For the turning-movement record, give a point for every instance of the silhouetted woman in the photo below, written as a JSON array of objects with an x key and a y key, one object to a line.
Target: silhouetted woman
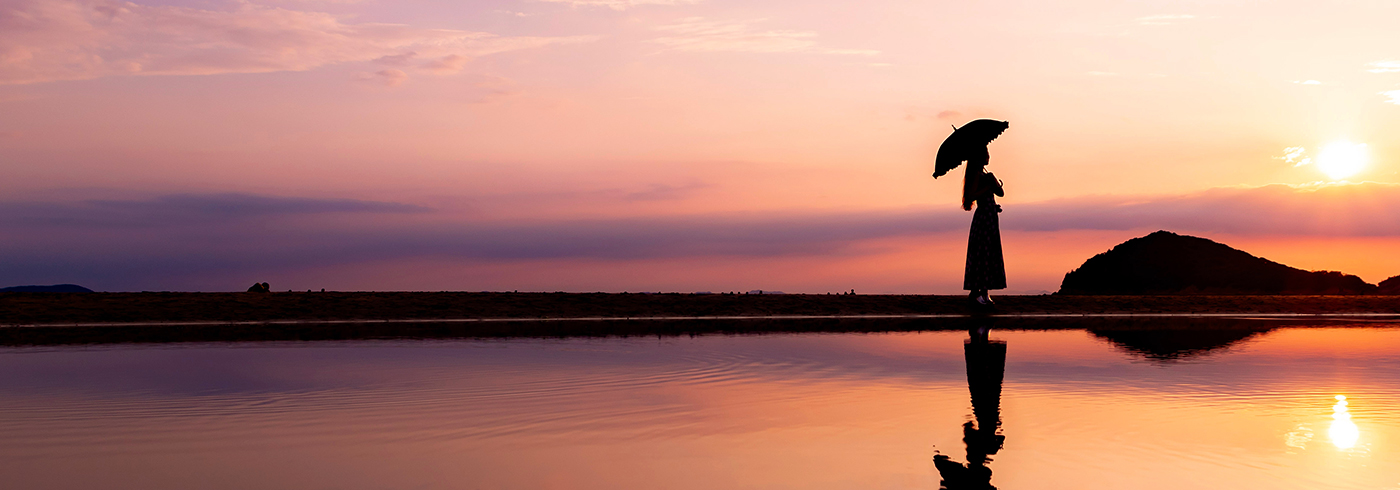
[{"x": 985, "y": 268}]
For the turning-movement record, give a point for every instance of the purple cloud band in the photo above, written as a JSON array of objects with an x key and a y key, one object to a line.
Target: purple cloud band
[{"x": 136, "y": 243}]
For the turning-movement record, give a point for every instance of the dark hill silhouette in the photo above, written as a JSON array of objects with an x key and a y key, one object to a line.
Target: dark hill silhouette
[
  {"x": 1168, "y": 263},
  {"x": 1390, "y": 286},
  {"x": 56, "y": 288}
]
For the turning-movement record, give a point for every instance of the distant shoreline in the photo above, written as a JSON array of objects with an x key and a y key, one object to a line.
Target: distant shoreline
[
  {"x": 269, "y": 310},
  {"x": 37, "y": 309},
  {"x": 55, "y": 319},
  {"x": 968, "y": 316}
]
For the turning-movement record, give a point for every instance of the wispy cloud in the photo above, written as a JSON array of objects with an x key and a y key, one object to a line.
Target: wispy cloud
[
  {"x": 1295, "y": 155},
  {"x": 620, "y": 4},
  {"x": 1384, "y": 66},
  {"x": 49, "y": 40},
  {"x": 1164, "y": 19},
  {"x": 666, "y": 192},
  {"x": 1114, "y": 74},
  {"x": 396, "y": 59},
  {"x": 1322, "y": 209},
  {"x": 700, "y": 34},
  {"x": 190, "y": 210},
  {"x": 1393, "y": 96},
  {"x": 451, "y": 63},
  {"x": 390, "y": 77},
  {"x": 1307, "y": 82}
]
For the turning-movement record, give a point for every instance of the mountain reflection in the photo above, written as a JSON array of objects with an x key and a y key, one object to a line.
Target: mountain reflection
[
  {"x": 1166, "y": 343},
  {"x": 986, "y": 364}
]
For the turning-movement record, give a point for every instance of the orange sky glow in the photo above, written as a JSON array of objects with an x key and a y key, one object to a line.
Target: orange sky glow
[{"x": 678, "y": 145}]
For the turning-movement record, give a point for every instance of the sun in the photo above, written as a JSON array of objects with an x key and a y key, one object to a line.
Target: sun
[{"x": 1342, "y": 159}]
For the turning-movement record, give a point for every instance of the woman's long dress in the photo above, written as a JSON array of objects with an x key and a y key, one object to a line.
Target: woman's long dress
[{"x": 985, "y": 268}]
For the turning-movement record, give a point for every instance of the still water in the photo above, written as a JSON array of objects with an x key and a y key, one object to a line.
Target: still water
[{"x": 1271, "y": 406}]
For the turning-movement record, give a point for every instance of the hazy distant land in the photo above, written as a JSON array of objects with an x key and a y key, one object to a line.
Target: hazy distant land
[
  {"x": 1159, "y": 275},
  {"x": 43, "y": 308}
]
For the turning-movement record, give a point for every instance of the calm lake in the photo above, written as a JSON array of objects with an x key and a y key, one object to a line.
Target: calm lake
[{"x": 1257, "y": 406}]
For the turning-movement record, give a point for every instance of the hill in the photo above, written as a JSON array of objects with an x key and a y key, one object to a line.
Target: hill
[
  {"x": 1168, "y": 263},
  {"x": 1390, "y": 286},
  {"x": 56, "y": 288}
]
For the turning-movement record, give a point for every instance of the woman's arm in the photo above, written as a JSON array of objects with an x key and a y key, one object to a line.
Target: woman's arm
[{"x": 993, "y": 184}]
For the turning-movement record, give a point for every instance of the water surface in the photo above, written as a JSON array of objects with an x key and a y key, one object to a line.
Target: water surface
[{"x": 1076, "y": 408}]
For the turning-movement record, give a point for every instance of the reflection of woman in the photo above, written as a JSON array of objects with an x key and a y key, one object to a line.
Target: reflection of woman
[
  {"x": 985, "y": 268},
  {"x": 986, "y": 363}
]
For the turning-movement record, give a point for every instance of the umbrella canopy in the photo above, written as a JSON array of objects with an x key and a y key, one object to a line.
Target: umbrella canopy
[{"x": 959, "y": 145}]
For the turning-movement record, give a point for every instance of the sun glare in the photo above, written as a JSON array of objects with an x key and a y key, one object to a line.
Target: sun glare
[
  {"x": 1343, "y": 431},
  {"x": 1342, "y": 159}
]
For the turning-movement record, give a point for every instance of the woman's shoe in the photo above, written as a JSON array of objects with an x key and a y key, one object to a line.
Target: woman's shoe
[{"x": 985, "y": 300}]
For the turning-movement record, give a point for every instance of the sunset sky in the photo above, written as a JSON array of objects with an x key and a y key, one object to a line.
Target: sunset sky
[{"x": 675, "y": 145}]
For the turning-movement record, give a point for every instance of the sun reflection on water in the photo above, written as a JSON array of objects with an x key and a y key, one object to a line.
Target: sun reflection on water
[{"x": 1343, "y": 431}]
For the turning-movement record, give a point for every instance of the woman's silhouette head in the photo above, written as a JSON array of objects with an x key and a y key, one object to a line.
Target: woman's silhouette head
[{"x": 976, "y": 163}]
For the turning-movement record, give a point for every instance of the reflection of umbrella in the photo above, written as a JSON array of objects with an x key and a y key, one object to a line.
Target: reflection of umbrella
[
  {"x": 986, "y": 365},
  {"x": 964, "y": 141}
]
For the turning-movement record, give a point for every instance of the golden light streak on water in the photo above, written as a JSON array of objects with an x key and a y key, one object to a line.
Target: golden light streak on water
[{"x": 1343, "y": 431}]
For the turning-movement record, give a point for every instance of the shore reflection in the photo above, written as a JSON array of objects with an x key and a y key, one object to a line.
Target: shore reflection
[
  {"x": 817, "y": 412},
  {"x": 1171, "y": 342},
  {"x": 986, "y": 366}
]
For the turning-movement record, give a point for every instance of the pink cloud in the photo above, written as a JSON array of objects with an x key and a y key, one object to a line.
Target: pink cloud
[
  {"x": 699, "y": 34},
  {"x": 620, "y": 4},
  {"x": 451, "y": 63},
  {"x": 396, "y": 59},
  {"x": 493, "y": 88},
  {"x": 49, "y": 40},
  {"x": 390, "y": 77}
]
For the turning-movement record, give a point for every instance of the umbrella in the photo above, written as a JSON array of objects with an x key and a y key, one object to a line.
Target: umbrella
[{"x": 964, "y": 141}]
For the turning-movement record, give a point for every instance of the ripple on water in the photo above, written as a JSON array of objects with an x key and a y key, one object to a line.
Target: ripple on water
[{"x": 1242, "y": 417}]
